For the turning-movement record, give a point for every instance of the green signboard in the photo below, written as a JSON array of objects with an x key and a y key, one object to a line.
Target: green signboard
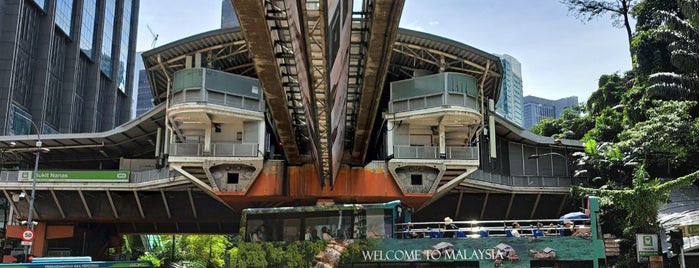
[
  {"x": 690, "y": 230},
  {"x": 75, "y": 176},
  {"x": 646, "y": 246}
]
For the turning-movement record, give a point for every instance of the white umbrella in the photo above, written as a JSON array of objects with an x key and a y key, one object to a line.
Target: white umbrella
[{"x": 504, "y": 247}]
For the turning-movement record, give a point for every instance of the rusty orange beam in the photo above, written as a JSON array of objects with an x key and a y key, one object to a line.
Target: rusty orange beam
[{"x": 300, "y": 185}]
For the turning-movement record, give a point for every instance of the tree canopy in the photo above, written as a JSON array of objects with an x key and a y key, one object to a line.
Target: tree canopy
[{"x": 644, "y": 136}]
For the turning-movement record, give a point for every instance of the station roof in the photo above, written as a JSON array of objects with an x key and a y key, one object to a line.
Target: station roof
[
  {"x": 225, "y": 49},
  {"x": 135, "y": 140}
]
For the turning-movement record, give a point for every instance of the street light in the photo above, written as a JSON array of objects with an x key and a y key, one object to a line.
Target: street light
[
  {"x": 545, "y": 154},
  {"x": 565, "y": 158},
  {"x": 30, "y": 223}
]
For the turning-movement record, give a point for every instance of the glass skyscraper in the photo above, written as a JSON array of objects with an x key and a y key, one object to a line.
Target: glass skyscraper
[
  {"x": 509, "y": 104},
  {"x": 536, "y": 108},
  {"x": 65, "y": 65},
  {"x": 228, "y": 17}
]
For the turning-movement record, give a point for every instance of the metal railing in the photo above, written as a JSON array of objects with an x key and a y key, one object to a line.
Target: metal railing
[
  {"x": 211, "y": 86},
  {"x": 217, "y": 149},
  {"x": 526, "y": 181},
  {"x": 454, "y": 89},
  {"x": 432, "y": 152}
]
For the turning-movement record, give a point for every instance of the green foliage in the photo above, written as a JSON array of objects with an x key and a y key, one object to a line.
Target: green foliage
[
  {"x": 683, "y": 44},
  {"x": 609, "y": 94},
  {"x": 667, "y": 140},
  {"x": 277, "y": 254},
  {"x": 607, "y": 126},
  {"x": 208, "y": 249},
  {"x": 606, "y": 164},
  {"x": 152, "y": 258},
  {"x": 641, "y": 202},
  {"x": 572, "y": 124}
]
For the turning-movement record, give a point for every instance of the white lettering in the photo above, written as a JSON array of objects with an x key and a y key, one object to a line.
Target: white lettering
[
  {"x": 391, "y": 255},
  {"x": 430, "y": 254},
  {"x": 366, "y": 255},
  {"x": 461, "y": 254}
]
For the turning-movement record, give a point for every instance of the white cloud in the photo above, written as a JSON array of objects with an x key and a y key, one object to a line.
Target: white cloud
[
  {"x": 433, "y": 23},
  {"x": 414, "y": 25}
]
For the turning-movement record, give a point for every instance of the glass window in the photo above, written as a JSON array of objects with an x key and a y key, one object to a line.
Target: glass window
[
  {"x": 88, "y": 28},
  {"x": 41, "y": 4},
  {"x": 20, "y": 123},
  {"x": 124, "y": 47},
  {"x": 107, "y": 38},
  {"x": 64, "y": 16}
]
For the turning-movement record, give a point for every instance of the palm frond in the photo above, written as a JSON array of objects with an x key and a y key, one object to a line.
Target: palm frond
[
  {"x": 685, "y": 60},
  {"x": 679, "y": 25},
  {"x": 690, "y": 9},
  {"x": 670, "y": 85}
]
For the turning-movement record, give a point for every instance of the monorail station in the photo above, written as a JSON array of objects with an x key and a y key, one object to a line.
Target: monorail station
[{"x": 320, "y": 104}]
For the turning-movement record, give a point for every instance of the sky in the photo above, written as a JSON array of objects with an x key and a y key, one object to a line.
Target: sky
[{"x": 561, "y": 56}]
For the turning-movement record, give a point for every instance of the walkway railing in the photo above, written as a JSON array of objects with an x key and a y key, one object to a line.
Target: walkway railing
[
  {"x": 526, "y": 181},
  {"x": 225, "y": 149},
  {"x": 496, "y": 228},
  {"x": 432, "y": 152}
]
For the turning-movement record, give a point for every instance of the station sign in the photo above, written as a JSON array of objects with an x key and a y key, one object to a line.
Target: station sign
[
  {"x": 690, "y": 230},
  {"x": 75, "y": 176},
  {"x": 646, "y": 246}
]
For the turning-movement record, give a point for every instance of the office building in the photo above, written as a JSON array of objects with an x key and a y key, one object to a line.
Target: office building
[
  {"x": 228, "y": 17},
  {"x": 143, "y": 97},
  {"x": 509, "y": 104},
  {"x": 536, "y": 108},
  {"x": 65, "y": 65}
]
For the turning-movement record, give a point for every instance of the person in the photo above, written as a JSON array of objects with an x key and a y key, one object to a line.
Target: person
[
  {"x": 374, "y": 231},
  {"x": 515, "y": 229},
  {"x": 259, "y": 235},
  {"x": 325, "y": 234},
  {"x": 314, "y": 234},
  {"x": 567, "y": 228},
  {"x": 308, "y": 236},
  {"x": 582, "y": 231},
  {"x": 449, "y": 227},
  {"x": 551, "y": 229}
]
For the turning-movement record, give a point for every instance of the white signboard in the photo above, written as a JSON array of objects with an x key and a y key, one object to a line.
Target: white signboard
[{"x": 646, "y": 246}]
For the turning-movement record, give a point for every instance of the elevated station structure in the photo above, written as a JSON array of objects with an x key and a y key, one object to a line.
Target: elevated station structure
[{"x": 307, "y": 102}]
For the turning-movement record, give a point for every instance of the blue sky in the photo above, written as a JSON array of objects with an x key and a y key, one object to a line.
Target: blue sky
[{"x": 561, "y": 56}]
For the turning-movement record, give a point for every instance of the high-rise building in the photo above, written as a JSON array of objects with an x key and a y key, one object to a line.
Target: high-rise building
[
  {"x": 509, "y": 104},
  {"x": 65, "y": 65},
  {"x": 143, "y": 97},
  {"x": 536, "y": 108},
  {"x": 228, "y": 17}
]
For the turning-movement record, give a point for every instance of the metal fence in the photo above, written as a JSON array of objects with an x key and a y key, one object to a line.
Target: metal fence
[
  {"x": 224, "y": 149},
  {"x": 432, "y": 152}
]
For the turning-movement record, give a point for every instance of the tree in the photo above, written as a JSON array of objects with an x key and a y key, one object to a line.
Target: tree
[
  {"x": 667, "y": 140},
  {"x": 683, "y": 38},
  {"x": 641, "y": 203},
  {"x": 651, "y": 54},
  {"x": 611, "y": 88},
  {"x": 619, "y": 10},
  {"x": 571, "y": 124},
  {"x": 203, "y": 250}
]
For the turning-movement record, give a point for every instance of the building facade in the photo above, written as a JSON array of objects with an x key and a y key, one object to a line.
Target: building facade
[
  {"x": 536, "y": 108},
  {"x": 65, "y": 65},
  {"x": 228, "y": 17},
  {"x": 143, "y": 97},
  {"x": 510, "y": 104}
]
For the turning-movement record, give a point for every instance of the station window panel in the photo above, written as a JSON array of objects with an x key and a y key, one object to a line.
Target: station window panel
[
  {"x": 416, "y": 179},
  {"x": 233, "y": 178},
  {"x": 64, "y": 16}
]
